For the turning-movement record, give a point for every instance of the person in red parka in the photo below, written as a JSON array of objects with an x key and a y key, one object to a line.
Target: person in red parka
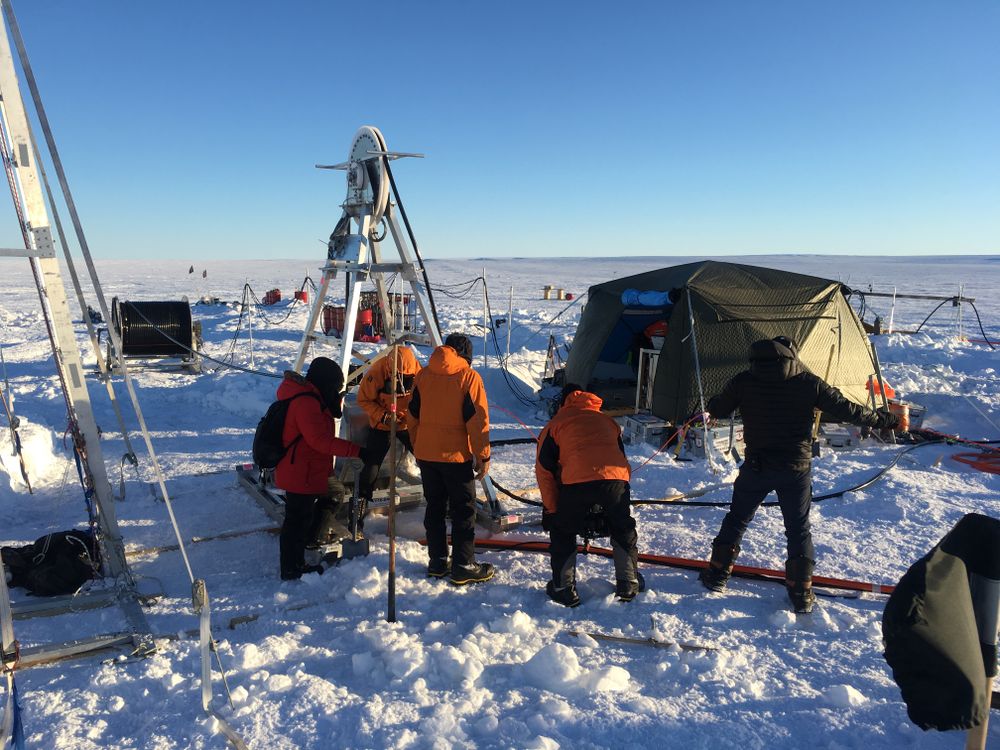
[{"x": 310, "y": 439}]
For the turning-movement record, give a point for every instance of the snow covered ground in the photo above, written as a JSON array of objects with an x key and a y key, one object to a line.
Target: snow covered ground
[{"x": 491, "y": 665}]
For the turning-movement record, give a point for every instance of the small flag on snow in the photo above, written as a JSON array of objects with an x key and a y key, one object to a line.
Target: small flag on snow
[
  {"x": 191, "y": 269},
  {"x": 204, "y": 274}
]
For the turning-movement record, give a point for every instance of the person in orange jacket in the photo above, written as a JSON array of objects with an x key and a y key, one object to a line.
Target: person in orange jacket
[
  {"x": 375, "y": 397},
  {"x": 309, "y": 434},
  {"x": 584, "y": 475},
  {"x": 449, "y": 426}
]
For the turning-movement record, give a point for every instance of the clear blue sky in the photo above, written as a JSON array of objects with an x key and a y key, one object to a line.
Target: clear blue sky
[{"x": 190, "y": 129}]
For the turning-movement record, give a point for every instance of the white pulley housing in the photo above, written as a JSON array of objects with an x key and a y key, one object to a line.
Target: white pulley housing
[{"x": 367, "y": 181}]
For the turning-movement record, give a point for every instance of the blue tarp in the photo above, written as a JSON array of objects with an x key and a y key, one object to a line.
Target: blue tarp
[{"x": 652, "y": 298}]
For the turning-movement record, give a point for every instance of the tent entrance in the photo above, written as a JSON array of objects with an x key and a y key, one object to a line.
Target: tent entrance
[{"x": 616, "y": 372}]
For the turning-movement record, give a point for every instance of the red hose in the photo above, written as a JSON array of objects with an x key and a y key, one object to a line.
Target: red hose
[{"x": 988, "y": 462}]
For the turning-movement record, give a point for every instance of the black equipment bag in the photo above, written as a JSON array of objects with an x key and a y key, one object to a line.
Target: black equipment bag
[
  {"x": 268, "y": 446},
  {"x": 940, "y": 625},
  {"x": 59, "y": 563}
]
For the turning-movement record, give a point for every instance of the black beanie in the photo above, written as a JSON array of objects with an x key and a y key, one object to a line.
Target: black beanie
[
  {"x": 328, "y": 378},
  {"x": 461, "y": 344}
]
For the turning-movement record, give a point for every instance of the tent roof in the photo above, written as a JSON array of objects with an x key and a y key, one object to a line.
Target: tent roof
[{"x": 711, "y": 274}]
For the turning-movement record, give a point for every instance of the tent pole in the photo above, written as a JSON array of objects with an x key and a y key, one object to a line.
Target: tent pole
[
  {"x": 486, "y": 320},
  {"x": 697, "y": 374}
]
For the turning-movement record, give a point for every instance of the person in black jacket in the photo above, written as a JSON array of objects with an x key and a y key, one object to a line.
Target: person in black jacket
[{"x": 776, "y": 398}]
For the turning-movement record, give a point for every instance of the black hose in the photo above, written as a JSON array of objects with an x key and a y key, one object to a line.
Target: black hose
[
  {"x": 981, "y": 330},
  {"x": 682, "y": 501},
  {"x": 939, "y": 306},
  {"x": 504, "y": 491}
]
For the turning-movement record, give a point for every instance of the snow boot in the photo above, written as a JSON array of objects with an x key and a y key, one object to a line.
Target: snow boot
[
  {"x": 439, "y": 567},
  {"x": 566, "y": 596},
  {"x": 720, "y": 566},
  {"x": 798, "y": 579},
  {"x": 294, "y": 575},
  {"x": 626, "y": 591},
  {"x": 474, "y": 573}
]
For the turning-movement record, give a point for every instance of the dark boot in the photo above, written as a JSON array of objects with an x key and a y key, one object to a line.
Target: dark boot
[
  {"x": 626, "y": 591},
  {"x": 439, "y": 567},
  {"x": 798, "y": 579},
  {"x": 566, "y": 596},
  {"x": 720, "y": 566},
  {"x": 474, "y": 573}
]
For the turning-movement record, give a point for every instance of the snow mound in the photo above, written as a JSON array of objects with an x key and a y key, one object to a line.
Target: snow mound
[
  {"x": 844, "y": 696},
  {"x": 557, "y": 669}
]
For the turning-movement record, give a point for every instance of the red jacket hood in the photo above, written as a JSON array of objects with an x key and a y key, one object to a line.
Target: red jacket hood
[
  {"x": 445, "y": 361},
  {"x": 294, "y": 384},
  {"x": 583, "y": 400}
]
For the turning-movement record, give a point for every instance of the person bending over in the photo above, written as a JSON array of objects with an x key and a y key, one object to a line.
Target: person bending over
[
  {"x": 375, "y": 397},
  {"x": 583, "y": 474}
]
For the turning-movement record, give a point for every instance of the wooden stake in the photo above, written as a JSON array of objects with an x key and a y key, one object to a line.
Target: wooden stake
[
  {"x": 390, "y": 615},
  {"x": 819, "y": 414},
  {"x": 975, "y": 738}
]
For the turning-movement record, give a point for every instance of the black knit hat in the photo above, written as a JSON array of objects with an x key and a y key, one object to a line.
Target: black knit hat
[
  {"x": 325, "y": 373},
  {"x": 328, "y": 378},
  {"x": 461, "y": 344}
]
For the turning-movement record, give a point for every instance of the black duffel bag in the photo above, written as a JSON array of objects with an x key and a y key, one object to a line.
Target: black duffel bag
[
  {"x": 58, "y": 563},
  {"x": 939, "y": 627}
]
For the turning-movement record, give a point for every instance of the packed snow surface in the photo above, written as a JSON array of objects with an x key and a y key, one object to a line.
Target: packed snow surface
[{"x": 314, "y": 664}]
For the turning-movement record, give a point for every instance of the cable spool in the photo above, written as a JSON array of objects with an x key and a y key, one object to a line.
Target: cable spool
[{"x": 145, "y": 326}]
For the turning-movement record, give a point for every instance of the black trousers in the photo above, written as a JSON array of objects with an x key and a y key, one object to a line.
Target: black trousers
[
  {"x": 450, "y": 490},
  {"x": 576, "y": 504},
  {"x": 308, "y": 518},
  {"x": 377, "y": 449},
  {"x": 794, "y": 490}
]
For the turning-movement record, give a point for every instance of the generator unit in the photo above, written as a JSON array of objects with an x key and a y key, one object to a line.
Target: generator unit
[
  {"x": 644, "y": 428},
  {"x": 725, "y": 440}
]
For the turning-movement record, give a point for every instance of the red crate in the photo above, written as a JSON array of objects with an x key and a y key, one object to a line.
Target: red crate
[{"x": 333, "y": 319}]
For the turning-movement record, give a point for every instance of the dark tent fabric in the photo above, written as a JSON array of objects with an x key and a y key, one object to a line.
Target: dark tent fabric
[{"x": 733, "y": 305}]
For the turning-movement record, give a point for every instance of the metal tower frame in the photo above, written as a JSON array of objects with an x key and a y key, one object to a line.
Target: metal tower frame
[
  {"x": 359, "y": 256},
  {"x": 39, "y": 248}
]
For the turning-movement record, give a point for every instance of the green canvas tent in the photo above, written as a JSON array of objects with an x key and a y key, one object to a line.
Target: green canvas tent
[{"x": 733, "y": 305}]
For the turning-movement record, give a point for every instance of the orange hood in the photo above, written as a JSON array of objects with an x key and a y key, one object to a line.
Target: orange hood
[
  {"x": 583, "y": 400},
  {"x": 445, "y": 361}
]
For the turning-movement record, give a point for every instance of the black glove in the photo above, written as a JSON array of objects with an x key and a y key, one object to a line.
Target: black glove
[{"x": 887, "y": 420}]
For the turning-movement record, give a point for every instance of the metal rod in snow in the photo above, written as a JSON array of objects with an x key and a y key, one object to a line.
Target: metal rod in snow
[
  {"x": 958, "y": 305},
  {"x": 697, "y": 374},
  {"x": 510, "y": 317},
  {"x": 249, "y": 304},
  {"x": 892, "y": 310},
  {"x": 390, "y": 613},
  {"x": 486, "y": 319}
]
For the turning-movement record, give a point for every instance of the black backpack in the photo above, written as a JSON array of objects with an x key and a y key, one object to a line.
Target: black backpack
[
  {"x": 268, "y": 447},
  {"x": 59, "y": 563}
]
